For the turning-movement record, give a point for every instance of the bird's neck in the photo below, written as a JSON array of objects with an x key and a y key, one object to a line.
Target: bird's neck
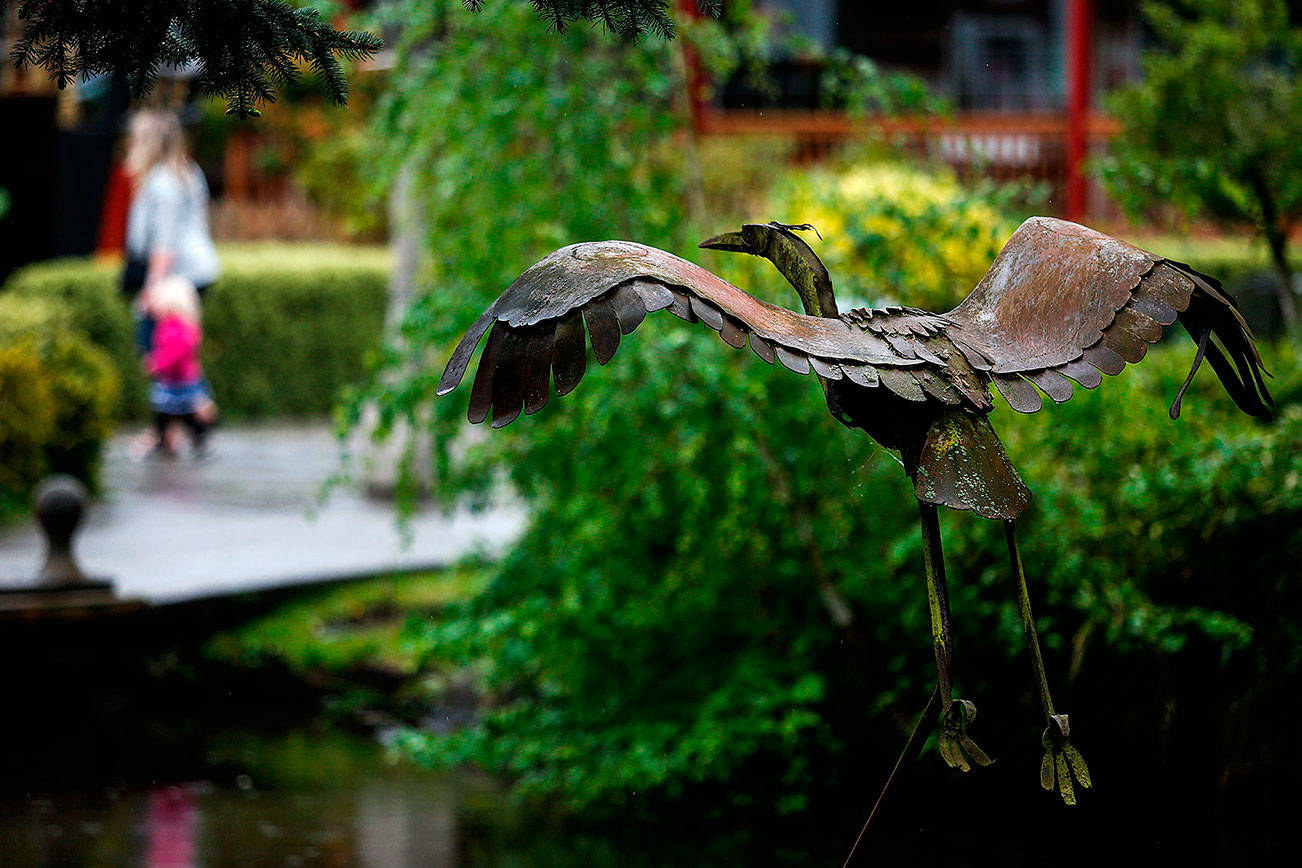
[{"x": 803, "y": 270}]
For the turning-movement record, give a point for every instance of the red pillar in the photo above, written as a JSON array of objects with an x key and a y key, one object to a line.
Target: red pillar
[
  {"x": 696, "y": 80},
  {"x": 113, "y": 212},
  {"x": 1080, "y": 45}
]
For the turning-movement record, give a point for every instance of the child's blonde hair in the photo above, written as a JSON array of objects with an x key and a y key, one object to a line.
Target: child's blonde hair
[{"x": 174, "y": 295}]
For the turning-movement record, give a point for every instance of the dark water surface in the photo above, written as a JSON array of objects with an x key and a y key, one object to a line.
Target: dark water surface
[
  {"x": 122, "y": 746},
  {"x": 306, "y": 799}
]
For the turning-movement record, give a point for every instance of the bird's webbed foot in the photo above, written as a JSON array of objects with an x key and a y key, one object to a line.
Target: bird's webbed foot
[
  {"x": 956, "y": 747},
  {"x": 1062, "y": 768}
]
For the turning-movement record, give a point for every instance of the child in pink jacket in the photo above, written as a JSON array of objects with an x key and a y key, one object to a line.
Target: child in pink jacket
[{"x": 178, "y": 389}]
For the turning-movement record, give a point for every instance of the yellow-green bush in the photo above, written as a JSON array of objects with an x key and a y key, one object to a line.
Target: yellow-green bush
[
  {"x": 26, "y": 422},
  {"x": 285, "y": 327},
  {"x": 897, "y": 233},
  {"x": 58, "y": 397}
]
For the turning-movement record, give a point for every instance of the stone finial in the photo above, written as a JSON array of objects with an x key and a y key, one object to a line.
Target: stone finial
[{"x": 60, "y": 502}]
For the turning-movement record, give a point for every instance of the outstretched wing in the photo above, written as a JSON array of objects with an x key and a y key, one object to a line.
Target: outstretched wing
[
  {"x": 537, "y": 326},
  {"x": 1062, "y": 302}
]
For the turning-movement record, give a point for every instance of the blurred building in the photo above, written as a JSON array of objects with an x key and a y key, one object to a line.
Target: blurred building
[
  {"x": 985, "y": 55},
  {"x": 1024, "y": 75}
]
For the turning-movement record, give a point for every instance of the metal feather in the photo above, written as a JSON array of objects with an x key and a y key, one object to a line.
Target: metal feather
[
  {"x": 629, "y": 308},
  {"x": 825, "y": 369},
  {"x": 1105, "y": 359},
  {"x": 508, "y": 379},
  {"x": 1052, "y": 383},
  {"x": 863, "y": 375},
  {"x": 762, "y": 348},
  {"x": 732, "y": 334},
  {"x": 902, "y": 383},
  {"x": 1082, "y": 372},
  {"x": 481, "y": 394},
  {"x": 603, "y": 329},
  {"x": 793, "y": 361},
  {"x": 707, "y": 313},
  {"x": 537, "y": 360},
  {"x": 1019, "y": 394},
  {"x": 569, "y": 353}
]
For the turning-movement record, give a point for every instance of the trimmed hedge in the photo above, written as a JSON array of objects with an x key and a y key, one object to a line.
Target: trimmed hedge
[{"x": 285, "y": 327}]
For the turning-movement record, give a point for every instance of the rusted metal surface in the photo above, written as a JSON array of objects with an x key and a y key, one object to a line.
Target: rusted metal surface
[
  {"x": 1061, "y": 299},
  {"x": 1061, "y": 306}
]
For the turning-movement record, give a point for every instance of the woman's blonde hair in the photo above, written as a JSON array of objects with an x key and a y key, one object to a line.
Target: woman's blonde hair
[
  {"x": 174, "y": 295},
  {"x": 155, "y": 137}
]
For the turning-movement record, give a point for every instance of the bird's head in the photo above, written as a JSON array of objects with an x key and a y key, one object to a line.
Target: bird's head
[{"x": 779, "y": 244}]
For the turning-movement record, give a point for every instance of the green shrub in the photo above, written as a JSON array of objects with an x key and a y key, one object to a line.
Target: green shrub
[
  {"x": 26, "y": 422},
  {"x": 58, "y": 398},
  {"x": 285, "y": 328},
  {"x": 85, "y": 388},
  {"x": 83, "y": 295}
]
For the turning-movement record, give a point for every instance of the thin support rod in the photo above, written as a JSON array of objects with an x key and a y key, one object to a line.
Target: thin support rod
[
  {"x": 1028, "y": 620},
  {"x": 918, "y": 738},
  {"x": 933, "y": 560}
]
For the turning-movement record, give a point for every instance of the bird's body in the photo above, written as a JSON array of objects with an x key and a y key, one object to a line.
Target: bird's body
[{"x": 1061, "y": 306}]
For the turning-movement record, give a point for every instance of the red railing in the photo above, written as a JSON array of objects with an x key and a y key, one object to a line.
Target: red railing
[{"x": 1001, "y": 146}]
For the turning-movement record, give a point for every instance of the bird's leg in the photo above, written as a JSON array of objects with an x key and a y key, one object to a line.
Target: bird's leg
[
  {"x": 1061, "y": 761},
  {"x": 956, "y": 747}
]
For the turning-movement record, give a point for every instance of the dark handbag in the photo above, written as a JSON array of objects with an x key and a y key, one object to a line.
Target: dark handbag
[{"x": 133, "y": 275}]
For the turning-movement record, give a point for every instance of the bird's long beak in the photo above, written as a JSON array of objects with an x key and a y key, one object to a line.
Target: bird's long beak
[{"x": 734, "y": 242}]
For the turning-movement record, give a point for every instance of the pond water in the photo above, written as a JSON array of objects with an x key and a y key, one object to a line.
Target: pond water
[
  {"x": 124, "y": 747},
  {"x": 128, "y": 749},
  {"x": 310, "y": 796},
  {"x": 307, "y": 798}
]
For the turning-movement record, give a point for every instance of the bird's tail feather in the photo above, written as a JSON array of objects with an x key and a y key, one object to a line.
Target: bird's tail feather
[
  {"x": 963, "y": 465},
  {"x": 1225, "y": 340}
]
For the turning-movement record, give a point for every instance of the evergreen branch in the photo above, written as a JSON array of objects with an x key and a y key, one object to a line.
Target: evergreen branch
[
  {"x": 242, "y": 49},
  {"x": 630, "y": 19}
]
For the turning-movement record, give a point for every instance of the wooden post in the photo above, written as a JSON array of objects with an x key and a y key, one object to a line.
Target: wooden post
[{"x": 1079, "y": 40}]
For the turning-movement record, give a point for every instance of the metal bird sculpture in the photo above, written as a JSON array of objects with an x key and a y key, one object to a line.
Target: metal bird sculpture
[{"x": 1061, "y": 304}]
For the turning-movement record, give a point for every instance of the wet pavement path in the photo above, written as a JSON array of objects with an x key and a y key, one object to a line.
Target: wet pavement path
[{"x": 249, "y": 518}]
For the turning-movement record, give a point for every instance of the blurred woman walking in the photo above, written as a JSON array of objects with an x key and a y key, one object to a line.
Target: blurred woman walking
[
  {"x": 167, "y": 225},
  {"x": 167, "y": 236}
]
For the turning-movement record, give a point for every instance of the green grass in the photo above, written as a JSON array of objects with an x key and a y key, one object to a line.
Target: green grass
[{"x": 349, "y": 629}]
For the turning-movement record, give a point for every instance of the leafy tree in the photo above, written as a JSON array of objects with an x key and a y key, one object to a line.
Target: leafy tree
[{"x": 1213, "y": 127}]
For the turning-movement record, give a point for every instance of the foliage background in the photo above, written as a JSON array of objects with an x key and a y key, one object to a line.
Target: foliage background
[{"x": 665, "y": 627}]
